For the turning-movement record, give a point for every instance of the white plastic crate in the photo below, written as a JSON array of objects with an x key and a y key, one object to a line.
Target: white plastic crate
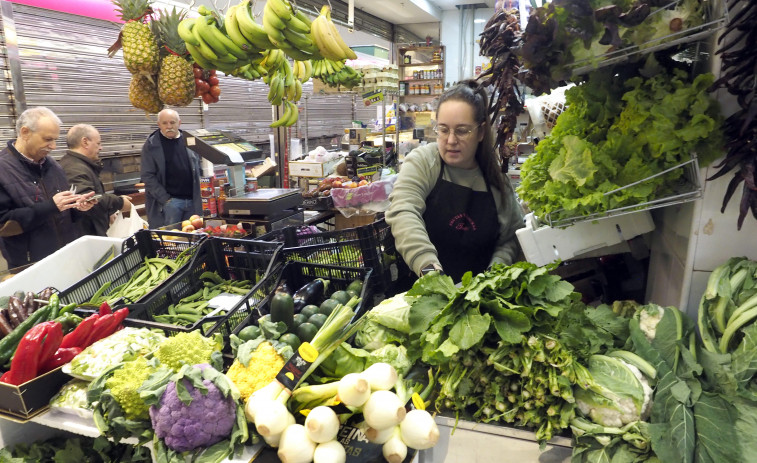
[
  {"x": 542, "y": 245},
  {"x": 64, "y": 267}
]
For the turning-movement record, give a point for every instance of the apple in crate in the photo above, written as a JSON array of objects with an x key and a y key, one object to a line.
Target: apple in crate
[
  {"x": 196, "y": 221},
  {"x": 189, "y": 228}
]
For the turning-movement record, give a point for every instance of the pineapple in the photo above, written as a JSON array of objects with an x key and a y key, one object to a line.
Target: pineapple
[
  {"x": 143, "y": 94},
  {"x": 176, "y": 81},
  {"x": 140, "y": 47}
]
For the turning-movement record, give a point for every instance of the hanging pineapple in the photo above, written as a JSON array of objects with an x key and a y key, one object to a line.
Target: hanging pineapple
[
  {"x": 176, "y": 82},
  {"x": 137, "y": 40},
  {"x": 143, "y": 94}
]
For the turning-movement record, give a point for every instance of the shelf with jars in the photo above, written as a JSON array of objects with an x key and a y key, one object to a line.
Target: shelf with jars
[{"x": 421, "y": 72}]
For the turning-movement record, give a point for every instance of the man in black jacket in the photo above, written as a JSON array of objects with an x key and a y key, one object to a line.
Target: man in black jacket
[
  {"x": 171, "y": 174},
  {"x": 82, "y": 166},
  {"x": 35, "y": 198}
]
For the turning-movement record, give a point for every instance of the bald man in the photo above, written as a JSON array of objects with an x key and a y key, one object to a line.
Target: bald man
[
  {"x": 171, "y": 174},
  {"x": 83, "y": 166},
  {"x": 35, "y": 196}
]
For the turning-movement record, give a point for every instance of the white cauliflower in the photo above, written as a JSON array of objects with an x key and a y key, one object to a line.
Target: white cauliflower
[{"x": 649, "y": 317}]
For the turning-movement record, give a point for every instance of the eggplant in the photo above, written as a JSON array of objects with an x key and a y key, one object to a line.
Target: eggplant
[
  {"x": 16, "y": 311},
  {"x": 30, "y": 305},
  {"x": 311, "y": 293},
  {"x": 5, "y": 325}
]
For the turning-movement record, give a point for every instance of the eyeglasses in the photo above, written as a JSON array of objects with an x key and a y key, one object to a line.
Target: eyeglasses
[{"x": 461, "y": 133}]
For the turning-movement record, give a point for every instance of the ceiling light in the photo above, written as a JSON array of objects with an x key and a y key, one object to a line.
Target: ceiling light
[{"x": 479, "y": 21}]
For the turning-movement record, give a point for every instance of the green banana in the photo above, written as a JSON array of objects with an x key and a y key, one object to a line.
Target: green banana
[
  {"x": 185, "y": 31},
  {"x": 275, "y": 35},
  {"x": 282, "y": 8},
  {"x": 288, "y": 75},
  {"x": 251, "y": 30},
  {"x": 203, "y": 33},
  {"x": 198, "y": 56},
  {"x": 291, "y": 90},
  {"x": 203, "y": 48},
  {"x": 298, "y": 26},
  {"x": 232, "y": 30},
  {"x": 298, "y": 90},
  {"x": 300, "y": 41},
  {"x": 303, "y": 17},
  {"x": 227, "y": 42},
  {"x": 272, "y": 17},
  {"x": 296, "y": 54},
  {"x": 294, "y": 114}
]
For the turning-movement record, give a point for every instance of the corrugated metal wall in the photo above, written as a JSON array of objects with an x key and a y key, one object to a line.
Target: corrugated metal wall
[{"x": 64, "y": 66}]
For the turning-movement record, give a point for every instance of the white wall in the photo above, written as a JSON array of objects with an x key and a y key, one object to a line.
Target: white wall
[{"x": 460, "y": 34}]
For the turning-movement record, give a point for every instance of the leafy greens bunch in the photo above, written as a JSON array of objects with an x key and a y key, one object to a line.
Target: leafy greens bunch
[
  {"x": 618, "y": 131},
  {"x": 497, "y": 347}
]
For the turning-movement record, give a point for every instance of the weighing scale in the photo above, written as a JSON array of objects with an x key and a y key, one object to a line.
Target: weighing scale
[
  {"x": 272, "y": 208},
  {"x": 224, "y": 147}
]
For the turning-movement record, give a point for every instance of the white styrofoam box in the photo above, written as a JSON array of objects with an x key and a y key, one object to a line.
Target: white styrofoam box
[
  {"x": 542, "y": 245},
  {"x": 312, "y": 169},
  {"x": 63, "y": 268}
]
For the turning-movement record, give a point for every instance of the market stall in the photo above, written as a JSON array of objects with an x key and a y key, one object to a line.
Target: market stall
[{"x": 296, "y": 344}]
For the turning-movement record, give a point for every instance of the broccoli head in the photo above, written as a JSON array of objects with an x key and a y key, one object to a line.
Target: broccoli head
[
  {"x": 205, "y": 417},
  {"x": 186, "y": 349}
]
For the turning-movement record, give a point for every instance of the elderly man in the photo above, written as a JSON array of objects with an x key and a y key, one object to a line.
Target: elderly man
[
  {"x": 82, "y": 166},
  {"x": 35, "y": 198},
  {"x": 171, "y": 174}
]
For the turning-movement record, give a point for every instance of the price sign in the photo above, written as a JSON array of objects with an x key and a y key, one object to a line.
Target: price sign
[{"x": 372, "y": 97}]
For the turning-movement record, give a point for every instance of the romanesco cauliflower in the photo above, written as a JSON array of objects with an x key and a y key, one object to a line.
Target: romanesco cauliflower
[
  {"x": 186, "y": 349},
  {"x": 123, "y": 385}
]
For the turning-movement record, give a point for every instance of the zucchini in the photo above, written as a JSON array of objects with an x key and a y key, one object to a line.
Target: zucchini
[{"x": 282, "y": 309}]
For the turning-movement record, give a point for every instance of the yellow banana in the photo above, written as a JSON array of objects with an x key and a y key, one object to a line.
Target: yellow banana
[
  {"x": 308, "y": 71},
  {"x": 284, "y": 117},
  {"x": 251, "y": 30},
  {"x": 232, "y": 30},
  {"x": 347, "y": 52},
  {"x": 318, "y": 37},
  {"x": 185, "y": 31},
  {"x": 294, "y": 114},
  {"x": 329, "y": 47},
  {"x": 291, "y": 90},
  {"x": 227, "y": 42},
  {"x": 298, "y": 90},
  {"x": 296, "y": 69},
  {"x": 282, "y": 8},
  {"x": 337, "y": 65}
]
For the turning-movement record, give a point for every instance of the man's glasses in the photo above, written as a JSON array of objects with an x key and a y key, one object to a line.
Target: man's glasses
[{"x": 461, "y": 133}]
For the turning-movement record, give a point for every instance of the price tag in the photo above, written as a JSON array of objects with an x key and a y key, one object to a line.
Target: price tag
[
  {"x": 223, "y": 302},
  {"x": 373, "y": 97}
]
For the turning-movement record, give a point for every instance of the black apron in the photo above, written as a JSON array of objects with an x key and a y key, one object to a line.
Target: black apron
[{"x": 462, "y": 225}]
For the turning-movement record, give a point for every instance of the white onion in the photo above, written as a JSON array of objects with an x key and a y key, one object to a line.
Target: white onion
[
  {"x": 383, "y": 409},
  {"x": 419, "y": 430},
  {"x": 322, "y": 424},
  {"x": 381, "y": 376}
]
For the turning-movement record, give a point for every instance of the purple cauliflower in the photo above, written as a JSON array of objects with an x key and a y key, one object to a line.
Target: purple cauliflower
[{"x": 206, "y": 420}]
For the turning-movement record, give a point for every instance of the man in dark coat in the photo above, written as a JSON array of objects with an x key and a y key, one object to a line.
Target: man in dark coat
[
  {"x": 35, "y": 198},
  {"x": 171, "y": 174},
  {"x": 82, "y": 166}
]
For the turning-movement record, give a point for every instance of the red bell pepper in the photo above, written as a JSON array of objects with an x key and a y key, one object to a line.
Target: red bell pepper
[
  {"x": 52, "y": 342},
  {"x": 120, "y": 315},
  {"x": 105, "y": 309},
  {"x": 61, "y": 357},
  {"x": 26, "y": 360},
  {"x": 78, "y": 337},
  {"x": 103, "y": 327}
]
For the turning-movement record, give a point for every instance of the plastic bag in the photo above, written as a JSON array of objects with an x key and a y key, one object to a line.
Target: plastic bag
[
  {"x": 124, "y": 227},
  {"x": 364, "y": 200}
]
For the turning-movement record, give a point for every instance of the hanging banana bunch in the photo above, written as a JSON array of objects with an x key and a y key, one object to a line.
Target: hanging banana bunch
[
  {"x": 326, "y": 37},
  {"x": 335, "y": 73},
  {"x": 207, "y": 41},
  {"x": 284, "y": 88},
  {"x": 289, "y": 30}
]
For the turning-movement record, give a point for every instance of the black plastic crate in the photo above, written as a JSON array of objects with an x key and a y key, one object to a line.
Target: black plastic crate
[
  {"x": 142, "y": 244},
  {"x": 298, "y": 274},
  {"x": 370, "y": 246},
  {"x": 232, "y": 259}
]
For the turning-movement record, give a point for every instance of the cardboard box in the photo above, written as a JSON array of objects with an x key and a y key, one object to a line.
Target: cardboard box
[
  {"x": 356, "y": 136},
  {"x": 312, "y": 169},
  {"x": 341, "y": 222},
  {"x": 33, "y": 397}
]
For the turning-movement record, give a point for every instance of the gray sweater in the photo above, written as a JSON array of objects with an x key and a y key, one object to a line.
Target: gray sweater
[{"x": 417, "y": 177}]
